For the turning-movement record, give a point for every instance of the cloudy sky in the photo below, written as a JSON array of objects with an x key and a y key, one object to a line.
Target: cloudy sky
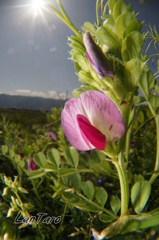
[{"x": 33, "y": 47}]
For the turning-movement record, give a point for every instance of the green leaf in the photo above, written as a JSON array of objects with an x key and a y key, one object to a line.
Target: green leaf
[
  {"x": 144, "y": 82},
  {"x": 69, "y": 196},
  {"x": 78, "y": 47},
  {"x": 87, "y": 78},
  {"x": 132, "y": 73},
  {"x": 101, "y": 195},
  {"x": 140, "y": 194},
  {"x": 81, "y": 60},
  {"x": 132, "y": 226},
  {"x": 106, "y": 166},
  {"x": 82, "y": 205},
  {"x": 40, "y": 159},
  {"x": 36, "y": 173},
  {"x": 85, "y": 159},
  {"x": 54, "y": 157},
  {"x": 12, "y": 153},
  {"x": 151, "y": 80},
  {"x": 76, "y": 181},
  {"x": 120, "y": 8},
  {"x": 111, "y": 4},
  {"x": 140, "y": 117},
  {"x": 109, "y": 24},
  {"x": 139, "y": 99},
  {"x": 106, "y": 36},
  {"x": 4, "y": 149},
  {"x": 97, "y": 168},
  {"x": 122, "y": 22},
  {"x": 132, "y": 46},
  {"x": 88, "y": 189},
  {"x": 77, "y": 66},
  {"x": 23, "y": 190},
  {"x": 150, "y": 222},
  {"x": 72, "y": 156},
  {"x": 97, "y": 155},
  {"x": 106, "y": 218},
  {"x": 88, "y": 26},
  {"x": 154, "y": 100},
  {"x": 77, "y": 92},
  {"x": 77, "y": 44},
  {"x": 115, "y": 204},
  {"x": 50, "y": 168},
  {"x": 66, "y": 171},
  {"x": 131, "y": 116},
  {"x": 134, "y": 25}
]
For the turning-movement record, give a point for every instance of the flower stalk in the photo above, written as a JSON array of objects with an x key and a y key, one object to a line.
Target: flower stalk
[
  {"x": 123, "y": 184},
  {"x": 155, "y": 175},
  {"x": 64, "y": 17}
]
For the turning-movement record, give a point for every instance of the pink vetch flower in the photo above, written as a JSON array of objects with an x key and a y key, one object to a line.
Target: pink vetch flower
[
  {"x": 132, "y": 142},
  {"x": 52, "y": 135},
  {"x": 91, "y": 121},
  {"x": 97, "y": 57},
  {"x": 31, "y": 164},
  {"x": 21, "y": 155}
]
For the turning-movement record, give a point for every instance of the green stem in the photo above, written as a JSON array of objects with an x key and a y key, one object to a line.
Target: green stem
[
  {"x": 95, "y": 204},
  {"x": 146, "y": 97},
  {"x": 65, "y": 19},
  {"x": 154, "y": 176},
  {"x": 149, "y": 119},
  {"x": 97, "y": 12},
  {"x": 123, "y": 184},
  {"x": 63, "y": 216},
  {"x": 128, "y": 137}
]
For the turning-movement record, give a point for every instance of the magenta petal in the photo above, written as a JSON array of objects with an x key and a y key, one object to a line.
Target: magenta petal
[
  {"x": 103, "y": 114},
  {"x": 72, "y": 108},
  {"x": 90, "y": 133},
  {"x": 31, "y": 164}
]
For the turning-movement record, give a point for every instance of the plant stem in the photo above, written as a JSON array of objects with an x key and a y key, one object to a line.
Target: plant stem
[
  {"x": 63, "y": 216},
  {"x": 123, "y": 184},
  {"x": 97, "y": 12},
  {"x": 154, "y": 176},
  {"x": 65, "y": 19},
  {"x": 149, "y": 119},
  {"x": 128, "y": 137},
  {"x": 95, "y": 204}
]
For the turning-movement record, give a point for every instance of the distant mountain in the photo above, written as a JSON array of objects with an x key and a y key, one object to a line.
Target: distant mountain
[{"x": 30, "y": 103}]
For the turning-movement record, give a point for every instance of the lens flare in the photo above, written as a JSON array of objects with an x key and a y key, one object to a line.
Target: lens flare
[{"x": 37, "y": 4}]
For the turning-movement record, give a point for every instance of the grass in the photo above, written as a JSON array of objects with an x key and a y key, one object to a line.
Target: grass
[{"x": 24, "y": 117}]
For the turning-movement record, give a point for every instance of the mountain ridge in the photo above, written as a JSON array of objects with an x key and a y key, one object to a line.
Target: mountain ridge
[{"x": 28, "y": 102}]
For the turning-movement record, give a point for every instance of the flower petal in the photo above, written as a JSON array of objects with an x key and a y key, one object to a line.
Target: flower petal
[
  {"x": 97, "y": 57},
  {"x": 91, "y": 134},
  {"x": 103, "y": 114},
  {"x": 72, "y": 108},
  {"x": 52, "y": 135}
]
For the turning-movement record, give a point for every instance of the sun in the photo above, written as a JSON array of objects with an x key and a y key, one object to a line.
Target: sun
[{"x": 37, "y": 6}]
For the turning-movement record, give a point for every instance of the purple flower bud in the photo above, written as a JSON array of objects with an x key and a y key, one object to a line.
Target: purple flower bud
[
  {"x": 97, "y": 57},
  {"x": 31, "y": 164},
  {"x": 52, "y": 135}
]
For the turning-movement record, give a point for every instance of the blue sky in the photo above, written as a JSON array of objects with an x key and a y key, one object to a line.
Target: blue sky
[{"x": 34, "y": 51}]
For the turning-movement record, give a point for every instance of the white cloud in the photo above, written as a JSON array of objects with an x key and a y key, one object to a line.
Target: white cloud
[
  {"x": 56, "y": 95},
  {"x": 53, "y": 94},
  {"x": 23, "y": 91},
  {"x": 38, "y": 94}
]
